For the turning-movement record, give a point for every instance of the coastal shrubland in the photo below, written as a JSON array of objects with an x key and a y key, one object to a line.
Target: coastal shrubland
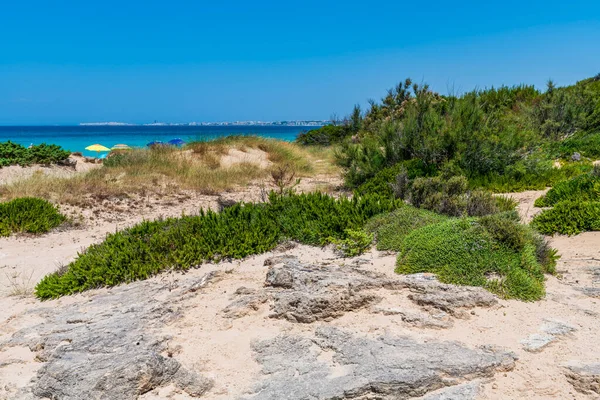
[
  {"x": 28, "y": 215},
  {"x": 238, "y": 231},
  {"x": 204, "y": 167},
  {"x": 502, "y": 139},
  {"x": 582, "y": 188},
  {"x": 495, "y": 252},
  {"x": 16, "y": 154}
]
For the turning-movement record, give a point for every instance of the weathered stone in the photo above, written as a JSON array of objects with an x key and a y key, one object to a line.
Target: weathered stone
[
  {"x": 419, "y": 320},
  {"x": 336, "y": 364},
  {"x": 429, "y": 292},
  {"x": 576, "y": 157},
  {"x": 537, "y": 341},
  {"x": 590, "y": 291},
  {"x": 585, "y": 378},
  {"x": 249, "y": 301},
  {"x": 556, "y": 327},
  {"x": 105, "y": 348},
  {"x": 465, "y": 391}
]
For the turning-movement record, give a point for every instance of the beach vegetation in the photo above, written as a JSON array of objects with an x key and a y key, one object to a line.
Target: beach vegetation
[
  {"x": 16, "y": 154},
  {"x": 28, "y": 215},
  {"x": 236, "y": 232}
]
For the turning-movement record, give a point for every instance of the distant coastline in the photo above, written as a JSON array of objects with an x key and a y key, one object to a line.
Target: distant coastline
[{"x": 225, "y": 123}]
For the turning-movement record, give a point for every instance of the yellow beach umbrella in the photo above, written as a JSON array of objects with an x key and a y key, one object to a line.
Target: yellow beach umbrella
[
  {"x": 120, "y": 147},
  {"x": 97, "y": 148}
]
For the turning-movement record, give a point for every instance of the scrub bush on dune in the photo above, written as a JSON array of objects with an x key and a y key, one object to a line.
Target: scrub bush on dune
[
  {"x": 28, "y": 215},
  {"x": 495, "y": 252},
  {"x": 238, "y": 231}
]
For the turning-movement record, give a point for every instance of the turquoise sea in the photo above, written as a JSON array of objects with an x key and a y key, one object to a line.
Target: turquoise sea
[{"x": 77, "y": 138}]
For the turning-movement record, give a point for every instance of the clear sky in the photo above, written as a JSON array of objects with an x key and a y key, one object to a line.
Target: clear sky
[{"x": 65, "y": 62}]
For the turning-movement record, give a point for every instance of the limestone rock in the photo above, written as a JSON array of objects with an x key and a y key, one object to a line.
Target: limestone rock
[
  {"x": 104, "y": 348},
  {"x": 585, "y": 378},
  {"x": 335, "y": 364}
]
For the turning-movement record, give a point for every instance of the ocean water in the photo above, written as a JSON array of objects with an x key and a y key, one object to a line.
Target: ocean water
[{"x": 77, "y": 138}]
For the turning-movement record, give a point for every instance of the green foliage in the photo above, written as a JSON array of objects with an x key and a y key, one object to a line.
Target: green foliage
[
  {"x": 468, "y": 251},
  {"x": 533, "y": 175},
  {"x": 450, "y": 196},
  {"x": 16, "y": 154},
  {"x": 325, "y": 135},
  {"x": 382, "y": 182},
  {"x": 390, "y": 229},
  {"x": 356, "y": 242},
  {"x": 30, "y": 215},
  {"x": 236, "y": 232},
  {"x": 502, "y": 139},
  {"x": 582, "y": 188},
  {"x": 569, "y": 217}
]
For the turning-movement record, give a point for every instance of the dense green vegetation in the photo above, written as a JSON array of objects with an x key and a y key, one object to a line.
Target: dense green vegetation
[
  {"x": 582, "y": 188},
  {"x": 182, "y": 243},
  {"x": 569, "y": 217},
  {"x": 502, "y": 139},
  {"x": 28, "y": 215},
  {"x": 390, "y": 229},
  {"x": 16, "y": 154},
  {"x": 495, "y": 252},
  {"x": 324, "y": 136}
]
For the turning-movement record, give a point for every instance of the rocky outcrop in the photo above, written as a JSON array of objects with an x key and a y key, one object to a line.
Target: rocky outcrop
[
  {"x": 105, "y": 348},
  {"x": 550, "y": 332},
  {"x": 307, "y": 293},
  {"x": 336, "y": 364},
  {"x": 585, "y": 378}
]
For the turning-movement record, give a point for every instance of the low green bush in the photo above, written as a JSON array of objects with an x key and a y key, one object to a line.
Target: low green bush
[
  {"x": 236, "y": 232},
  {"x": 16, "y": 154},
  {"x": 356, "y": 243},
  {"x": 450, "y": 196},
  {"x": 569, "y": 217},
  {"x": 390, "y": 229},
  {"x": 382, "y": 183},
  {"x": 582, "y": 188},
  {"x": 324, "y": 136},
  {"x": 519, "y": 178},
  {"x": 494, "y": 252},
  {"x": 28, "y": 215}
]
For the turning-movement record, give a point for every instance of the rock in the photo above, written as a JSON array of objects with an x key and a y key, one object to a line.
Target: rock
[
  {"x": 307, "y": 293},
  {"x": 590, "y": 291},
  {"x": 585, "y": 378},
  {"x": 335, "y": 364},
  {"x": 537, "y": 341},
  {"x": 210, "y": 277},
  {"x": 419, "y": 320},
  {"x": 429, "y": 292},
  {"x": 105, "y": 348},
  {"x": 465, "y": 391},
  {"x": 249, "y": 302},
  {"x": 556, "y": 327},
  {"x": 576, "y": 157}
]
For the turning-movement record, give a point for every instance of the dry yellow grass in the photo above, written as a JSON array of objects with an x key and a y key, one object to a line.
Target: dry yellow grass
[{"x": 167, "y": 170}]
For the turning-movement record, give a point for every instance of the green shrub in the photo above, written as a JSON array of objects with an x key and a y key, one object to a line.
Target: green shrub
[
  {"x": 28, "y": 215},
  {"x": 324, "y": 136},
  {"x": 383, "y": 182},
  {"x": 391, "y": 228},
  {"x": 356, "y": 243},
  {"x": 236, "y": 232},
  {"x": 582, "y": 188},
  {"x": 465, "y": 251},
  {"x": 16, "y": 154},
  {"x": 569, "y": 218},
  {"x": 450, "y": 196}
]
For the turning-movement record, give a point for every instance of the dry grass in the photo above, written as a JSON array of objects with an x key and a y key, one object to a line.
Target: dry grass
[
  {"x": 19, "y": 284},
  {"x": 165, "y": 171}
]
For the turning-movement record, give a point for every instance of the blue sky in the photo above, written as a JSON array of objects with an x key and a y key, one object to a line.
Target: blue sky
[{"x": 65, "y": 62}]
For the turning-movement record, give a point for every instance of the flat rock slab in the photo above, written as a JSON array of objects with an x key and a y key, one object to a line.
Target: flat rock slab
[
  {"x": 585, "y": 378},
  {"x": 551, "y": 330},
  {"x": 104, "y": 348},
  {"x": 336, "y": 364},
  {"x": 307, "y": 293}
]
